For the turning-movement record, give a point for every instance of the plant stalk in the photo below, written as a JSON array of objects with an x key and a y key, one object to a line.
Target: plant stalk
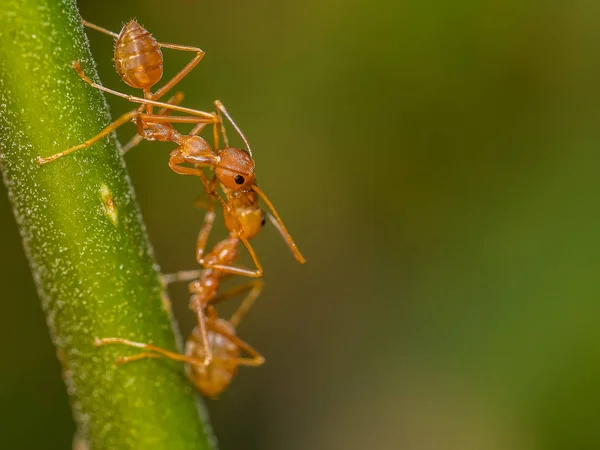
[{"x": 84, "y": 238}]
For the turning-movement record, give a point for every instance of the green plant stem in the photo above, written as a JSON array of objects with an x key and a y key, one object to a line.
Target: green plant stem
[{"x": 86, "y": 244}]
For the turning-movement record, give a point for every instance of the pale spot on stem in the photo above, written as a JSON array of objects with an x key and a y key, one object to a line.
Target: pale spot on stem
[{"x": 109, "y": 205}]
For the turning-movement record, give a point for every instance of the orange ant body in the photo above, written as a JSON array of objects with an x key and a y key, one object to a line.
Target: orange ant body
[
  {"x": 234, "y": 171},
  {"x": 139, "y": 63},
  {"x": 213, "y": 350},
  {"x": 214, "y": 376},
  {"x": 244, "y": 218}
]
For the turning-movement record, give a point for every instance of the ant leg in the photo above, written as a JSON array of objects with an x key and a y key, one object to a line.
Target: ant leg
[
  {"x": 256, "y": 273},
  {"x": 133, "y": 142},
  {"x": 176, "y": 158},
  {"x": 128, "y": 359},
  {"x": 144, "y": 101},
  {"x": 209, "y": 187},
  {"x": 205, "y": 203},
  {"x": 175, "y": 167},
  {"x": 100, "y": 29},
  {"x": 209, "y": 219},
  {"x": 183, "y": 72},
  {"x": 202, "y": 203},
  {"x": 278, "y": 223},
  {"x": 156, "y": 118},
  {"x": 197, "y": 129},
  {"x": 202, "y": 240},
  {"x": 185, "y": 275},
  {"x": 175, "y": 100},
  {"x": 182, "y": 275},
  {"x": 151, "y": 348},
  {"x": 255, "y": 360},
  {"x": 113, "y": 126},
  {"x": 255, "y": 287},
  {"x": 199, "y": 310},
  {"x": 234, "y": 270}
]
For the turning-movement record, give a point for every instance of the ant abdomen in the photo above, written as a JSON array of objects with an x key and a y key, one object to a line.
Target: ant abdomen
[
  {"x": 215, "y": 377},
  {"x": 138, "y": 59}
]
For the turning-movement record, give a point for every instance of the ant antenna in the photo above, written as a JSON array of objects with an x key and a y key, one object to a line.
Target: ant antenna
[
  {"x": 222, "y": 109},
  {"x": 278, "y": 223}
]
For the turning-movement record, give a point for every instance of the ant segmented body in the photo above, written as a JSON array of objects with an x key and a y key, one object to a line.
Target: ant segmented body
[
  {"x": 211, "y": 377},
  {"x": 139, "y": 63},
  {"x": 213, "y": 350},
  {"x": 234, "y": 171},
  {"x": 244, "y": 218}
]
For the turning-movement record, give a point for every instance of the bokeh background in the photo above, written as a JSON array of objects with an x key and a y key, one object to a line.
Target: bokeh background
[{"x": 437, "y": 163}]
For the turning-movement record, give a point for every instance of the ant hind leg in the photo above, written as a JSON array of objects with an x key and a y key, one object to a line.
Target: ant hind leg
[{"x": 128, "y": 116}]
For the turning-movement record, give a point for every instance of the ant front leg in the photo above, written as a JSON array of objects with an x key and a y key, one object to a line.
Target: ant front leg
[{"x": 176, "y": 160}]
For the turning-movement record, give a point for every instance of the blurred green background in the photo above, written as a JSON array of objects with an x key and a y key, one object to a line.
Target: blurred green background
[{"x": 437, "y": 164}]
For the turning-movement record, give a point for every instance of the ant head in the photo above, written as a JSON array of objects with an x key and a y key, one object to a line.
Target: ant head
[{"x": 235, "y": 169}]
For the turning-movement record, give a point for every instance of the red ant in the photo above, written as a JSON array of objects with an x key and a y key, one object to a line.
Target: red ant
[
  {"x": 234, "y": 171},
  {"x": 214, "y": 376},
  {"x": 139, "y": 63},
  {"x": 244, "y": 219}
]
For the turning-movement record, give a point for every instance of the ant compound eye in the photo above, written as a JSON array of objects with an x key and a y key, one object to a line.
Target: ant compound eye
[{"x": 239, "y": 179}]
